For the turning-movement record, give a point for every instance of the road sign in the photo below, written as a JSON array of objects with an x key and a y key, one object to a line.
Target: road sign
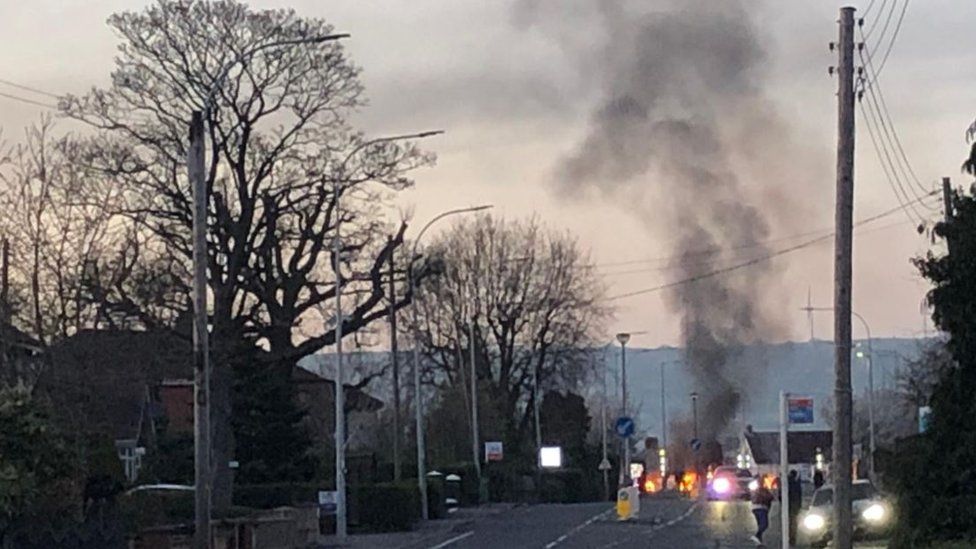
[
  {"x": 625, "y": 427},
  {"x": 494, "y": 451},
  {"x": 328, "y": 501},
  {"x": 924, "y": 418},
  {"x": 800, "y": 409},
  {"x": 695, "y": 444}
]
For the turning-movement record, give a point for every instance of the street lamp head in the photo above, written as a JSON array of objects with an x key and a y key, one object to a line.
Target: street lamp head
[
  {"x": 694, "y": 396},
  {"x": 481, "y": 208},
  {"x": 623, "y": 338},
  {"x": 327, "y": 38},
  {"x": 430, "y": 133}
]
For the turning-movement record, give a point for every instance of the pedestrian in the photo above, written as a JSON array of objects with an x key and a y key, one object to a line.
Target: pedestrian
[
  {"x": 818, "y": 479},
  {"x": 762, "y": 501},
  {"x": 795, "y": 493}
]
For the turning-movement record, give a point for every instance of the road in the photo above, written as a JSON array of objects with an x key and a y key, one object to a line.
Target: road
[{"x": 665, "y": 521}]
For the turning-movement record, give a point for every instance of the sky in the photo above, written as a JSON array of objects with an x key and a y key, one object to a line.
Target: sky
[{"x": 516, "y": 94}]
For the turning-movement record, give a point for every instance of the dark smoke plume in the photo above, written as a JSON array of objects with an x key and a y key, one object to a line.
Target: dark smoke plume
[{"x": 685, "y": 130}]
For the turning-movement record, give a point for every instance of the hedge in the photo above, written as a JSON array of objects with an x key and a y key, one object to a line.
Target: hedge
[{"x": 386, "y": 507}]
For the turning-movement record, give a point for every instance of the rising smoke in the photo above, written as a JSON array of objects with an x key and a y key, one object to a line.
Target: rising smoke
[{"x": 684, "y": 125}]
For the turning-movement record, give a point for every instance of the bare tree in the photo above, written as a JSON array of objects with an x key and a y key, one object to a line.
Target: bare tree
[
  {"x": 58, "y": 223},
  {"x": 285, "y": 169},
  {"x": 533, "y": 300}
]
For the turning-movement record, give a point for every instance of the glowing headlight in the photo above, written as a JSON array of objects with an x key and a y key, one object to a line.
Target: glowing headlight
[
  {"x": 814, "y": 522},
  {"x": 753, "y": 485},
  {"x": 874, "y": 513},
  {"x": 722, "y": 485}
]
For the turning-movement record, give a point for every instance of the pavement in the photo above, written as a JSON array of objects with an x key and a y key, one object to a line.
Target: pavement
[{"x": 665, "y": 521}]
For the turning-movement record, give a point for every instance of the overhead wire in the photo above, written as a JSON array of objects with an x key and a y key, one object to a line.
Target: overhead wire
[
  {"x": 29, "y": 88},
  {"x": 876, "y": 20},
  {"x": 28, "y": 101},
  {"x": 883, "y": 133},
  {"x": 894, "y": 37},
  {"x": 751, "y": 262}
]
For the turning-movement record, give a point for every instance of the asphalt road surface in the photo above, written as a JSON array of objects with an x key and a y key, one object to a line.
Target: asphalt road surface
[{"x": 665, "y": 521}]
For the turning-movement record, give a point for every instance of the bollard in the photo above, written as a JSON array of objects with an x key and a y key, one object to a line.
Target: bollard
[{"x": 628, "y": 503}]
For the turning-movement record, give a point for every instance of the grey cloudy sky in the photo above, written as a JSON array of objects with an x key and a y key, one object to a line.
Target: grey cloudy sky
[{"x": 515, "y": 99}]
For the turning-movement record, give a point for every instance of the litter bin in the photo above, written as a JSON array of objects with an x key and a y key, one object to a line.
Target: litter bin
[{"x": 452, "y": 492}]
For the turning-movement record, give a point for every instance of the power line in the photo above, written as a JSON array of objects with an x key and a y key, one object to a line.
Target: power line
[
  {"x": 884, "y": 120},
  {"x": 706, "y": 263},
  {"x": 30, "y": 89},
  {"x": 29, "y": 101},
  {"x": 875, "y": 23},
  {"x": 890, "y": 177},
  {"x": 894, "y": 37},
  {"x": 751, "y": 262}
]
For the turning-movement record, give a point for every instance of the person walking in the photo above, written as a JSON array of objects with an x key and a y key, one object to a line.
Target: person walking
[
  {"x": 762, "y": 501},
  {"x": 795, "y": 492},
  {"x": 818, "y": 479}
]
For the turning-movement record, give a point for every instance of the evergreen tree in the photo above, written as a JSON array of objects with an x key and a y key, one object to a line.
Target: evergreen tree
[
  {"x": 272, "y": 443},
  {"x": 934, "y": 477}
]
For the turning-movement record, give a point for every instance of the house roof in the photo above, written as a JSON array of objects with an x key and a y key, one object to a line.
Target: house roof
[
  {"x": 100, "y": 380},
  {"x": 803, "y": 445},
  {"x": 356, "y": 399}
]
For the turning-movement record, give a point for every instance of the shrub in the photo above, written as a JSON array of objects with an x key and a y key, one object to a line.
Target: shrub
[
  {"x": 271, "y": 495},
  {"x": 386, "y": 507}
]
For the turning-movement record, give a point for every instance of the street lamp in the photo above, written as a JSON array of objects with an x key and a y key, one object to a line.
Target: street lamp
[
  {"x": 342, "y": 510},
  {"x": 694, "y": 412},
  {"x": 870, "y": 361},
  {"x": 418, "y": 405},
  {"x": 623, "y": 338},
  {"x": 203, "y": 480}
]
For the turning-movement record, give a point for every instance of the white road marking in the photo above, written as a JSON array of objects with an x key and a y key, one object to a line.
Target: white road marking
[
  {"x": 655, "y": 528},
  {"x": 579, "y": 527},
  {"x": 454, "y": 540}
]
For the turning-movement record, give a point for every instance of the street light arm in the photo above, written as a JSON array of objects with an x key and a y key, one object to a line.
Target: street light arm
[
  {"x": 225, "y": 70},
  {"x": 437, "y": 218}
]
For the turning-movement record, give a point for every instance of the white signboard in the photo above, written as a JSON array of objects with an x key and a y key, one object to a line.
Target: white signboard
[
  {"x": 494, "y": 451},
  {"x": 551, "y": 457}
]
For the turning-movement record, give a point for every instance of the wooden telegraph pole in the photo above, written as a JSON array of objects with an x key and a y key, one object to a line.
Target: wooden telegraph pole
[{"x": 843, "y": 248}]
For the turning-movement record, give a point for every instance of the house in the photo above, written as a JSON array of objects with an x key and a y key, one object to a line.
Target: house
[
  {"x": 807, "y": 451},
  {"x": 125, "y": 386},
  {"x": 103, "y": 384},
  {"x": 21, "y": 356}
]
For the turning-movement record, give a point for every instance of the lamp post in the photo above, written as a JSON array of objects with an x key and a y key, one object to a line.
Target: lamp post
[
  {"x": 342, "y": 509},
  {"x": 418, "y": 396},
  {"x": 870, "y": 361},
  {"x": 623, "y": 338},
  {"x": 196, "y": 173}
]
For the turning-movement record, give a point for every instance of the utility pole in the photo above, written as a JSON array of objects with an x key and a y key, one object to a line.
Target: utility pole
[
  {"x": 201, "y": 345},
  {"x": 5, "y": 311},
  {"x": 340, "y": 390},
  {"x": 397, "y": 473},
  {"x": 604, "y": 465},
  {"x": 843, "y": 249},
  {"x": 475, "y": 436},
  {"x": 947, "y": 200}
]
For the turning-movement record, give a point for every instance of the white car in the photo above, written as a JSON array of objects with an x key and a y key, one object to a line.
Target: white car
[{"x": 870, "y": 512}]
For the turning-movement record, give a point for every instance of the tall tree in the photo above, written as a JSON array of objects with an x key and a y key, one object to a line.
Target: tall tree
[
  {"x": 934, "y": 477},
  {"x": 282, "y": 154},
  {"x": 534, "y": 302}
]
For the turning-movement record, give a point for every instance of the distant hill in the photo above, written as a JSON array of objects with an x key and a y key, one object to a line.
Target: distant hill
[
  {"x": 799, "y": 367},
  {"x": 806, "y": 367}
]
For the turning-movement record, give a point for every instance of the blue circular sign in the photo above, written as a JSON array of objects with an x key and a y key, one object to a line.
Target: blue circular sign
[
  {"x": 695, "y": 444},
  {"x": 624, "y": 427}
]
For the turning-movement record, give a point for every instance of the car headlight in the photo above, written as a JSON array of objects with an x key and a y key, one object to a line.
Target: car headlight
[
  {"x": 814, "y": 522},
  {"x": 753, "y": 485},
  {"x": 874, "y": 513},
  {"x": 722, "y": 485}
]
